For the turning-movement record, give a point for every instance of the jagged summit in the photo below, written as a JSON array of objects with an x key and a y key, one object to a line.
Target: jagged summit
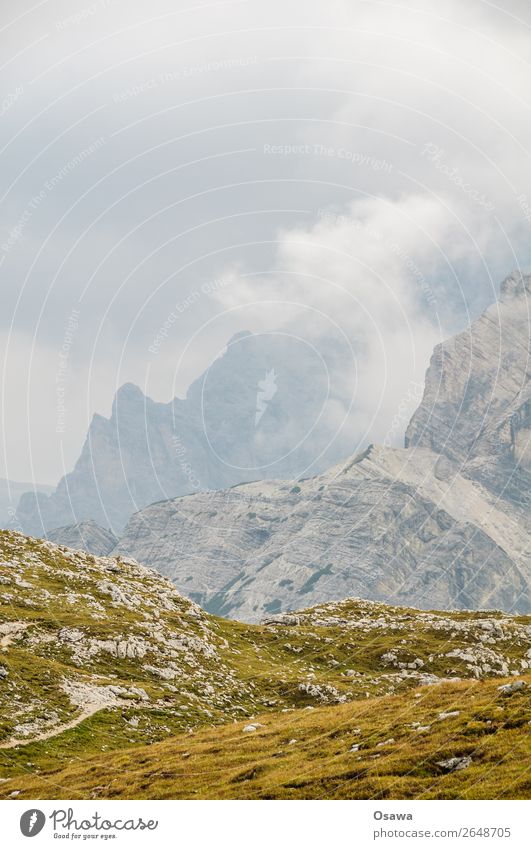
[
  {"x": 445, "y": 521},
  {"x": 226, "y": 431},
  {"x": 242, "y": 334},
  {"x": 476, "y": 403},
  {"x": 131, "y": 393},
  {"x": 515, "y": 284}
]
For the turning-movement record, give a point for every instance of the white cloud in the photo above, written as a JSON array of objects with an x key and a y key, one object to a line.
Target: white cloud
[{"x": 182, "y": 189}]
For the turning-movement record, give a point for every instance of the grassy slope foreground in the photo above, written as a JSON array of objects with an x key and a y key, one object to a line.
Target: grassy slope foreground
[{"x": 112, "y": 685}]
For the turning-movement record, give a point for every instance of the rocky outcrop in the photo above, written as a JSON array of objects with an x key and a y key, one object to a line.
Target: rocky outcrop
[
  {"x": 387, "y": 526},
  {"x": 444, "y": 522},
  {"x": 87, "y": 536},
  {"x": 476, "y": 409},
  {"x": 83, "y": 635},
  {"x": 10, "y": 493},
  {"x": 268, "y": 408}
]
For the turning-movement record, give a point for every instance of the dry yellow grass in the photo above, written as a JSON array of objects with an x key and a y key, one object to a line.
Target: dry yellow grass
[{"x": 305, "y": 754}]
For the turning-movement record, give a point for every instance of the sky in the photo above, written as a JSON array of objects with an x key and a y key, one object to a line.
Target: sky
[{"x": 175, "y": 172}]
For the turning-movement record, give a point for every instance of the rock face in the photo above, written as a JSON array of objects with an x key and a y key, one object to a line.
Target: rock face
[
  {"x": 384, "y": 527},
  {"x": 268, "y": 408},
  {"x": 87, "y": 536},
  {"x": 476, "y": 408},
  {"x": 444, "y": 522},
  {"x": 10, "y": 493}
]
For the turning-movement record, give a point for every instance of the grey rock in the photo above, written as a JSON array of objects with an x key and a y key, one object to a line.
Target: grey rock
[
  {"x": 86, "y": 536},
  {"x": 10, "y": 493},
  {"x": 455, "y": 764},
  {"x": 382, "y": 527},
  {"x": 444, "y": 522},
  {"x": 267, "y": 408},
  {"x": 476, "y": 408},
  {"x": 513, "y": 687}
]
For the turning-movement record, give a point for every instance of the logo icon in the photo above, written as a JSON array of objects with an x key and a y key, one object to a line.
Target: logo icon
[
  {"x": 267, "y": 389},
  {"x": 32, "y": 822}
]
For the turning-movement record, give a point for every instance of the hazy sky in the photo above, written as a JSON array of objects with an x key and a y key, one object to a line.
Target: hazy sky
[{"x": 203, "y": 168}]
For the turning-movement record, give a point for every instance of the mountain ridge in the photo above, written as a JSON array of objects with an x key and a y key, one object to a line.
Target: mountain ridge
[
  {"x": 149, "y": 451},
  {"x": 426, "y": 522}
]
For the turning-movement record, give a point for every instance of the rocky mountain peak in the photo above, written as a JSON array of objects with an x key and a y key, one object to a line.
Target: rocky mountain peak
[
  {"x": 266, "y": 408},
  {"x": 515, "y": 284},
  {"x": 443, "y": 522},
  {"x": 476, "y": 405},
  {"x": 242, "y": 334},
  {"x": 131, "y": 395}
]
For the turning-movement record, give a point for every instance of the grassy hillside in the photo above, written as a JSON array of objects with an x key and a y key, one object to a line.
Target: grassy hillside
[
  {"x": 107, "y": 672},
  {"x": 406, "y": 746}
]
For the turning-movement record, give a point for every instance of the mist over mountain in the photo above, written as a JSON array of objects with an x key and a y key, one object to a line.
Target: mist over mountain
[
  {"x": 272, "y": 406},
  {"x": 444, "y": 521},
  {"x": 10, "y": 493}
]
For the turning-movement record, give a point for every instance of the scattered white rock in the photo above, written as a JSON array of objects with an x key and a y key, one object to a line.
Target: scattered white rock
[
  {"x": 513, "y": 687},
  {"x": 455, "y": 764}
]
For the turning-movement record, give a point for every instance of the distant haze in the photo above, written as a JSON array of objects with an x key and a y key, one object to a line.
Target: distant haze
[{"x": 175, "y": 173}]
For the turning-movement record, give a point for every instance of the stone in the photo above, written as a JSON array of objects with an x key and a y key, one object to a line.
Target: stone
[
  {"x": 513, "y": 687},
  {"x": 455, "y": 764}
]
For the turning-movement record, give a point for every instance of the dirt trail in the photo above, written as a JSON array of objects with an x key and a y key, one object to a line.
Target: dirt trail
[{"x": 89, "y": 711}]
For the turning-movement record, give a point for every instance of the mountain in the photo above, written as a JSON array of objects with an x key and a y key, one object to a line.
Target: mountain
[
  {"x": 476, "y": 408},
  {"x": 444, "y": 521},
  {"x": 270, "y": 407},
  {"x": 87, "y": 536},
  {"x": 10, "y": 493},
  {"x": 387, "y": 526},
  {"x": 111, "y": 682}
]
